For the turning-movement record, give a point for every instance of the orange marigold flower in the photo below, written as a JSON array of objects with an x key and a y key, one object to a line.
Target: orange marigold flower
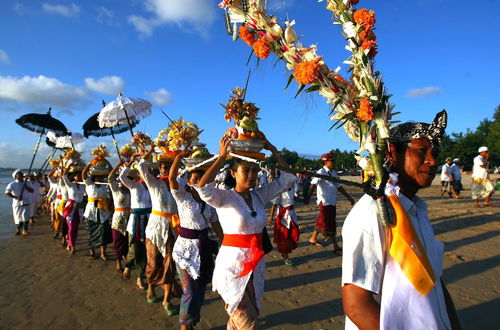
[
  {"x": 365, "y": 18},
  {"x": 305, "y": 72},
  {"x": 367, "y": 34},
  {"x": 365, "y": 110},
  {"x": 368, "y": 44},
  {"x": 261, "y": 48},
  {"x": 246, "y": 35}
]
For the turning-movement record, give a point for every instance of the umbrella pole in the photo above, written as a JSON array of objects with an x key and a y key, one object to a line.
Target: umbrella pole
[
  {"x": 51, "y": 153},
  {"x": 32, "y": 160},
  {"x": 48, "y": 163},
  {"x": 115, "y": 143},
  {"x": 128, "y": 122}
]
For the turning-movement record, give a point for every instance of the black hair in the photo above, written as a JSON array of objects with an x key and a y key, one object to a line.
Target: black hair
[{"x": 200, "y": 172}]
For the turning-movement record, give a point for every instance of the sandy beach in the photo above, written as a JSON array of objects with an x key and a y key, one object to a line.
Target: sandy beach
[{"x": 44, "y": 287}]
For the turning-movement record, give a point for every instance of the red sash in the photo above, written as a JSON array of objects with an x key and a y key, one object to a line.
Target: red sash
[{"x": 251, "y": 241}]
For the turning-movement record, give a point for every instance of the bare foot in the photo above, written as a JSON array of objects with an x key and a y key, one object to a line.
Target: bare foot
[
  {"x": 316, "y": 243},
  {"x": 139, "y": 284},
  {"x": 126, "y": 273}
]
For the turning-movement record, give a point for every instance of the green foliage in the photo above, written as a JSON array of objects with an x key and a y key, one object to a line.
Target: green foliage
[
  {"x": 343, "y": 159},
  {"x": 465, "y": 145}
]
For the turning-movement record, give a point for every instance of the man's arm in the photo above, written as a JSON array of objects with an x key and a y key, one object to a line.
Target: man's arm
[{"x": 360, "y": 306}]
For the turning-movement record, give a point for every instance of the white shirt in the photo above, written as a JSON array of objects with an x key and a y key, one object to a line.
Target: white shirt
[
  {"x": 366, "y": 264},
  {"x": 445, "y": 170},
  {"x": 121, "y": 199},
  {"x": 286, "y": 199},
  {"x": 139, "y": 195},
  {"x": 15, "y": 188},
  {"x": 479, "y": 172},
  {"x": 326, "y": 192},
  {"x": 235, "y": 218},
  {"x": 186, "y": 251},
  {"x": 455, "y": 172},
  {"x": 262, "y": 178}
]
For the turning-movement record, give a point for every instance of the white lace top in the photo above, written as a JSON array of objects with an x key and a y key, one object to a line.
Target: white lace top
[
  {"x": 75, "y": 190},
  {"x": 162, "y": 200},
  {"x": 95, "y": 191},
  {"x": 121, "y": 199},
  {"x": 286, "y": 199},
  {"x": 235, "y": 218},
  {"x": 186, "y": 251}
]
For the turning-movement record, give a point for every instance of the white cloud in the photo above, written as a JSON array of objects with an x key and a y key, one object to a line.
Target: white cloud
[
  {"x": 41, "y": 90},
  {"x": 71, "y": 10},
  {"x": 19, "y": 156},
  {"x": 106, "y": 16},
  {"x": 4, "y": 57},
  {"x": 198, "y": 13},
  {"x": 160, "y": 98},
  {"x": 111, "y": 85},
  {"x": 423, "y": 92}
]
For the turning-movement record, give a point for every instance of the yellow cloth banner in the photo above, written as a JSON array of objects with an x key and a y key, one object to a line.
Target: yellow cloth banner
[
  {"x": 102, "y": 202},
  {"x": 408, "y": 251}
]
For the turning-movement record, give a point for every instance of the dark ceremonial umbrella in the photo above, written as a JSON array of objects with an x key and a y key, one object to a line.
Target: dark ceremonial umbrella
[
  {"x": 40, "y": 123},
  {"x": 92, "y": 128}
]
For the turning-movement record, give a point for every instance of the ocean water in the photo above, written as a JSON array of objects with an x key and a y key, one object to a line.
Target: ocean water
[{"x": 7, "y": 226}]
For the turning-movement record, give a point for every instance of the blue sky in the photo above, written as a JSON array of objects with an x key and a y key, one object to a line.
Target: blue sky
[{"x": 433, "y": 54}]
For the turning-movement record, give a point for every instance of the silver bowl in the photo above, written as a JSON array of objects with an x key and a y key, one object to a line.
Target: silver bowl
[
  {"x": 246, "y": 145},
  {"x": 189, "y": 162}
]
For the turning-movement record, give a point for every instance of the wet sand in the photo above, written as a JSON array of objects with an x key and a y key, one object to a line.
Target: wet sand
[{"x": 44, "y": 287}]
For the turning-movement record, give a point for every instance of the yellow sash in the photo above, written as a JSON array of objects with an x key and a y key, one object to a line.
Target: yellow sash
[
  {"x": 408, "y": 251},
  {"x": 102, "y": 202},
  {"x": 174, "y": 218}
]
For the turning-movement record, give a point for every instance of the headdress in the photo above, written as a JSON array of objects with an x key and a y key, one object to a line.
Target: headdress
[
  {"x": 15, "y": 173},
  {"x": 482, "y": 149},
  {"x": 409, "y": 131},
  {"x": 327, "y": 156}
]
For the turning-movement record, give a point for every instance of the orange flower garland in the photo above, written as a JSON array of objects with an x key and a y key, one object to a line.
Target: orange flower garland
[
  {"x": 261, "y": 48},
  {"x": 246, "y": 35},
  {"x": 305, "y": 72},
  {"x": 365, "y": 111}
]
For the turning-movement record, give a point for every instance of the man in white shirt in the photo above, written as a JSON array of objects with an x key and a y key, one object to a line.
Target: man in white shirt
[
  {"x": 379, "y": 291},
  {"x": 326, "y": 199},
  {"x": 262, "y": 177},
  {"x": 20, "y": 193},
  {"x": 446, "y": 178},
  {"x": 482, "y": 187},
  {"x": 456, "y": 174}
]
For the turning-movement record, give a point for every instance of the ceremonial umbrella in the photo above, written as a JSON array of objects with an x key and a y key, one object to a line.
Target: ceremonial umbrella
[
  {"x": 124, "y": 110},
  {"x": 41, "y": 123},
  {"x": 92, "y": 128}
]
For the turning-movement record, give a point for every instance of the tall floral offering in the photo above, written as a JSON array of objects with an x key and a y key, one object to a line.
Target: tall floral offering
[
  {"x": 100, "y": 152},
  {"x": 182, "y": 134},
  {"x": 127, "y": 151},
  {"x": 141, "y": 140},
  {"x": 164, "y": 154},
  {"x": 359, "y": 104},
  {"x": 248, "y": 139}
]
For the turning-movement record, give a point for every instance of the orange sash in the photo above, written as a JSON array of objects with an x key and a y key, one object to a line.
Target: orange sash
[
  {"x": 102, "y": 202},
  {"x": 121, "y": 209},
  {"x": 251, "y": 241},
  {"x": 407, "y": 250},
  {"x": 174, "y": 218}
]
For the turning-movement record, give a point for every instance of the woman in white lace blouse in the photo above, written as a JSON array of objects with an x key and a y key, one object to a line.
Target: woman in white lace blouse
[
  {"x": 240, "y": 268},
  {"x": 192, "y": 252}
]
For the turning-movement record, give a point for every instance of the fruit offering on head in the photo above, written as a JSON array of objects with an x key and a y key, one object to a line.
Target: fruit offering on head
[
  {"x": 244, "y": 115},
  {"x": 182, "y": 133},
  {"x": 200, "y": 151}
]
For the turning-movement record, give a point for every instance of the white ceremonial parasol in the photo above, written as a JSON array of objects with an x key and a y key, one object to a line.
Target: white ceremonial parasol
[{"x": 124, "y": 110}]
